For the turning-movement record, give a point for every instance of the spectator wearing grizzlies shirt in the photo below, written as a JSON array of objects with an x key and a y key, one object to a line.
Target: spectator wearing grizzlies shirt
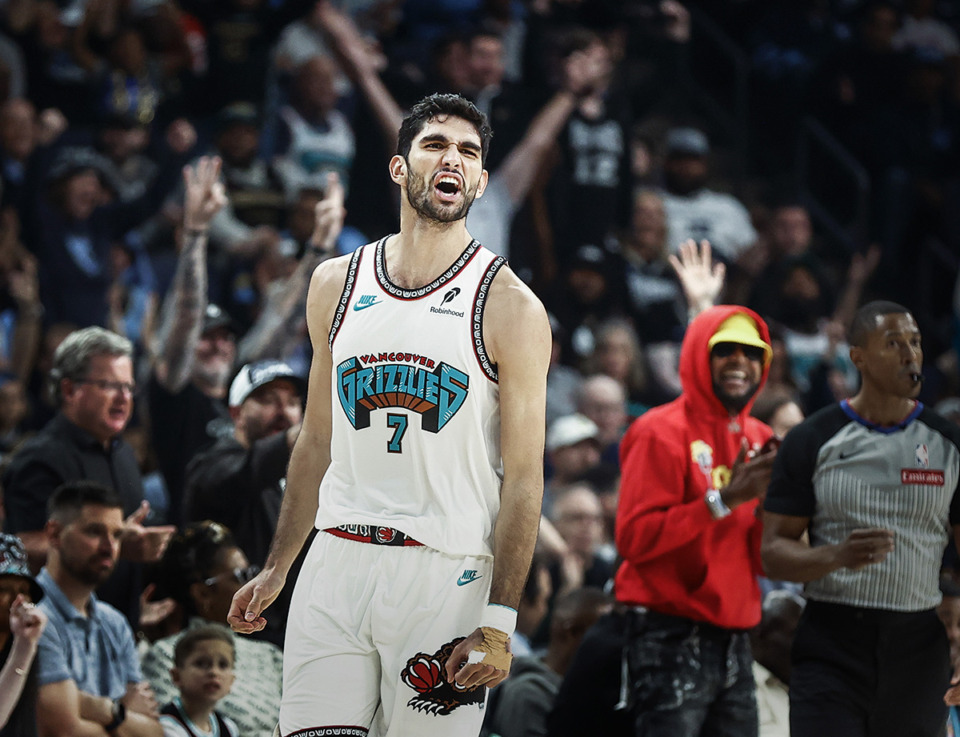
[{"x": 873, "y": 480}]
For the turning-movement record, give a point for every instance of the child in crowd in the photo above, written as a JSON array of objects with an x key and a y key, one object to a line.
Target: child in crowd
[{"x": 203, "y": 672}]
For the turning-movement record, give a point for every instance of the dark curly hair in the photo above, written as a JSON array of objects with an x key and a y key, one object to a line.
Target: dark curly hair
[
  {"x": 191, "y": 556},
  {"x": 443, "y": 105}
]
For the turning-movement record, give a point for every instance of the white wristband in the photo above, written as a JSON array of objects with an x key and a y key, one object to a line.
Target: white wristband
[{"x": 499, "y": 617}]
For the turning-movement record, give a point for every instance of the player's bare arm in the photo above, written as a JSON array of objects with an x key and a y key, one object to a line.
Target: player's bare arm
[
  {"x": 789, "y": 558},
  {"x": 517, "y": 335},
  {"x": 308, "y": 461}
]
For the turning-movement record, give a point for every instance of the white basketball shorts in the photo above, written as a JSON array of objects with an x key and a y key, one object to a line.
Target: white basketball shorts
[{"x": 368, "y": 635}]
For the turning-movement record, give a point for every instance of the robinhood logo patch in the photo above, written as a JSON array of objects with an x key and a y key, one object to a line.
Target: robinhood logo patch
[{"x": 448, "y": 298}]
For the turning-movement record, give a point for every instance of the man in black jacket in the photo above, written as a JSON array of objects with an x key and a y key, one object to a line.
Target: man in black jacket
[{"x": 239, "y": 481}]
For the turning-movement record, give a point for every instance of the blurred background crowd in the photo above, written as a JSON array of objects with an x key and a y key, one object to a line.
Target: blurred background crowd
[{"x": 815, "y": 144}]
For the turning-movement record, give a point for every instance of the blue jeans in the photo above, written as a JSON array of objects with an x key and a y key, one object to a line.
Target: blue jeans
[{"x": 690, "y": 679}]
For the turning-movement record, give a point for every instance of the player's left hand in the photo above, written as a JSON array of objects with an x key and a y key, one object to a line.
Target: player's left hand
[{"x": 481, "y": 659}]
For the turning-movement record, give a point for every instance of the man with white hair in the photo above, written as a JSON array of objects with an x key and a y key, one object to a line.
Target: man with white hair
[
  {"x": 572, "y": 448},
  {"x": 92, "y": 381}
]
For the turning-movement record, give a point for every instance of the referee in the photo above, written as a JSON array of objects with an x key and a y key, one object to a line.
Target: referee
[{"x": 873, "y": 481}]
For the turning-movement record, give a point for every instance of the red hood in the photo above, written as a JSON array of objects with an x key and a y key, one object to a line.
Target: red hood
[{"x": 695, "y": 359}]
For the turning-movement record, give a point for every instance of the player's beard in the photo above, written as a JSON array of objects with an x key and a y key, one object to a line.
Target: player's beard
[{"x": 419, "y": 196}]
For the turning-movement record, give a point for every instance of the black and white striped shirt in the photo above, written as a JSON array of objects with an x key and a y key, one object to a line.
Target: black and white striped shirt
[{"x": 845, "y": 473}]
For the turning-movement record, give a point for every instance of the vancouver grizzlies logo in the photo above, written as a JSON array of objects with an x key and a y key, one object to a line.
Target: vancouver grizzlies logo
[{"x": 433, "y": 390}]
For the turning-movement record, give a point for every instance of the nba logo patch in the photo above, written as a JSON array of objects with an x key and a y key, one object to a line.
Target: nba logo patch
[{"x": 922, "y": 456}]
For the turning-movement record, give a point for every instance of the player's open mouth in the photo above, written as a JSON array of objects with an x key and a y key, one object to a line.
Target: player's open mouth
[{"x": 447, "y": 186}]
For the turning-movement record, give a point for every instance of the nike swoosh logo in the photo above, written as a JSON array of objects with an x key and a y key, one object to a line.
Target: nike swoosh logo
[
  {"x": 468, "y": 577},
  {"x": 357, "y": 307}
]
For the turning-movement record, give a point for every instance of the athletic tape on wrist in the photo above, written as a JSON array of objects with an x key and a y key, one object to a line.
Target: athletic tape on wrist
[
  {"x": 493, "y": 650},
  {"x": 499, "y": 617}
]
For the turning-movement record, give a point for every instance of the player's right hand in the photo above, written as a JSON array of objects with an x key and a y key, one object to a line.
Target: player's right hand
[{"x": 253, "y": 597}]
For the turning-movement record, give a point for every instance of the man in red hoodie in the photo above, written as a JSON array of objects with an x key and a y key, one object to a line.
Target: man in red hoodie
[{"x": 689, "y": 535}]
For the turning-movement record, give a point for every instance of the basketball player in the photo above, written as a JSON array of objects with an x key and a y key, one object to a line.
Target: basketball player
[{"x": 424, "y": 432}]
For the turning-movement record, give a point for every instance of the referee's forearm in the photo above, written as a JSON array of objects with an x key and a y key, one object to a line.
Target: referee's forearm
[{"x": 793, "y": 560}]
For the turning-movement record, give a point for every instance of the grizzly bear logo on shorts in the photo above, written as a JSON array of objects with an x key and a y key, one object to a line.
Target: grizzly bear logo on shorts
[{"x": 424, "y": 674}]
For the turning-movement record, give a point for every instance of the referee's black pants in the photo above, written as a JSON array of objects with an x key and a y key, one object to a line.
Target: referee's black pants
[{"x": 868, "y": 673}]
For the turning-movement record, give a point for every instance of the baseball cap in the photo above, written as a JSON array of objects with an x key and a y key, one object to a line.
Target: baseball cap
[
  {"x": 687, "y": 142},
  {"x": 740, "y": 328},
  {"x": 570, "y": 430},
  {"x": 216, "y": 317},
  {"x": 75, "y": 159},
  {"x": 13, "y": 562},
  {"x": 238, "y": 113},
  {"x": 590, "y": 256},
  {"x": 254, "y": 375}
]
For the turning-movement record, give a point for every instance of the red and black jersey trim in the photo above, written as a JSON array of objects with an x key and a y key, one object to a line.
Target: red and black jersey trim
[
  {"x": 479, "y": 304},
  {"x": 410, "y": 294},
  {"x": 345, "y": 295}
]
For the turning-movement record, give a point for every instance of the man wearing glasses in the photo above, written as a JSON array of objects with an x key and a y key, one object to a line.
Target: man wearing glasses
[
  {"x": 92, "y": 381},
  {"x": 689, "y": 535}
]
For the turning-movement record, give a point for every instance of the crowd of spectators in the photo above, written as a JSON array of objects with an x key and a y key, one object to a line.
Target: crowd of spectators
[{"x": 172, "y": 171}]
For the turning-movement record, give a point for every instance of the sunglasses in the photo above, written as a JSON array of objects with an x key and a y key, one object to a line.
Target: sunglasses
[
  {"x": 725, "y": 350},
  {"x": 240, "y": 575}
]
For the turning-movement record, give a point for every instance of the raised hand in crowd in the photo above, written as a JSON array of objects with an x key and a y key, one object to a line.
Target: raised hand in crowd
[
  {"x": 749, "y": 476},
  {"x": 205, "y": 194},
  {"x": 282, "y": 321},
  {"x": 155, "y": 614},
  {"x": 701, "y": 279},
  {"x": 144, "y": 544},
  {"x": 361, "y": 55},
  {"x": 26, "y": 621},
  {"x": 328, "y": 216},
  {"x": 26, "y": 625}
]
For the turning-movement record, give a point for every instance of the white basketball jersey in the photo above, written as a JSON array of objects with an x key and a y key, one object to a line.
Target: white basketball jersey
[{"x": 416, "y": 416}]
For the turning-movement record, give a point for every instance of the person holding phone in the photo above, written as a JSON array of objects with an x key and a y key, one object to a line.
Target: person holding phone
[{"x": 689, "y": 535}]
